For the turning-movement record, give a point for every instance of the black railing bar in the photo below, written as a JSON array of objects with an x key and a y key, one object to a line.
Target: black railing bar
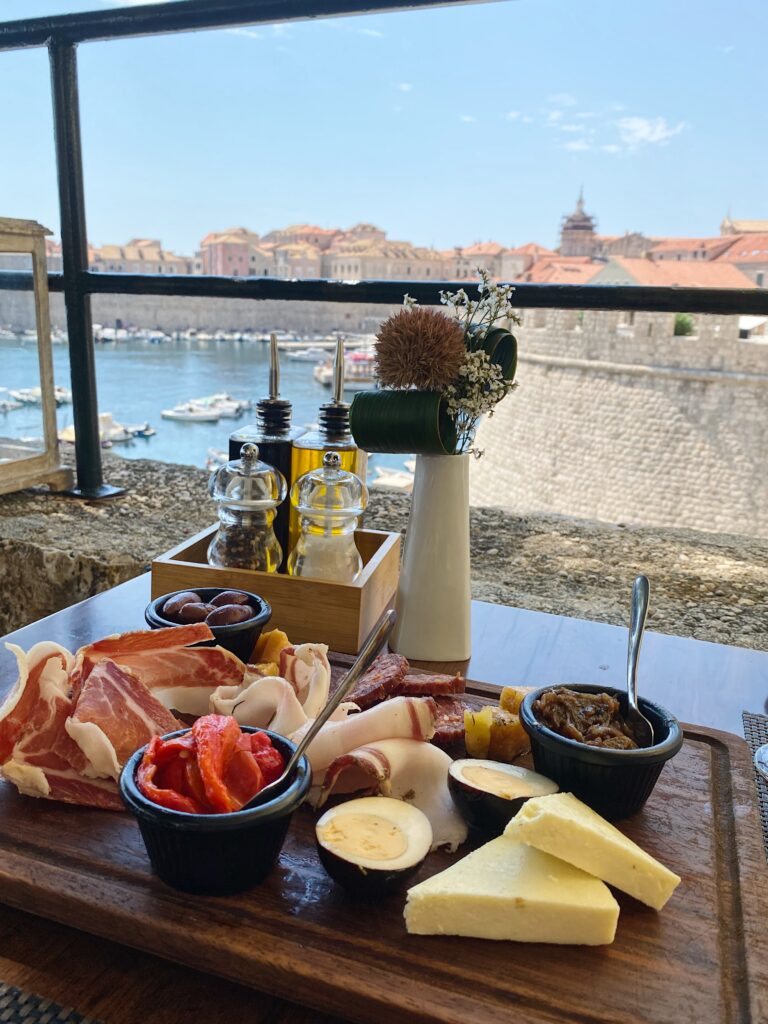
[
  {"x": 726, "y": 301},
  {"x": 192, "y": 15}
]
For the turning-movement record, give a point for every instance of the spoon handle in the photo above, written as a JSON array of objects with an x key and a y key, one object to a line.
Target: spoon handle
[
  {"x": 639, "y": 611},
  {"x": 369, "y": 650}
]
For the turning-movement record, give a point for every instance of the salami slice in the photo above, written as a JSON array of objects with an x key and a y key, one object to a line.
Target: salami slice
[
  {"x": 449, "y": 722},
  {"x": 381, "y": 681},
  {"x": 421, "y": 684}
]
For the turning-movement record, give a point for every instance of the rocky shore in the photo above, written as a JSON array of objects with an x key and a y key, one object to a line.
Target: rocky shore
[{"x": 55, "y": 551}]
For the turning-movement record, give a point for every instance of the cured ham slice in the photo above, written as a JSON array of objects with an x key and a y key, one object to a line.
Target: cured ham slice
[
  {"x": 401, "y": 717},
  {"x": 115, "y": 714},
  {"x": 36, "y": 752},
  {"x": 181, "y": 677},
  {"x": 307, "y": 669},
  {"x": 135, "y": 643},
  {"x": 407, "y": 770}
]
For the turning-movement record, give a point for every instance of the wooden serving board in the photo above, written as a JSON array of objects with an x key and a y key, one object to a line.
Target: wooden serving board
[{"x": 704, "y": 958}]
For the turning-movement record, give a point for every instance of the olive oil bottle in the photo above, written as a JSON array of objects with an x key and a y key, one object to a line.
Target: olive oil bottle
[
  {"x": 332, "y": 435},
  {"x": 274, "y": 436}
]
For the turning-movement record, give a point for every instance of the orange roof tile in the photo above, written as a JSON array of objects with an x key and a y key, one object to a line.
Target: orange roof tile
[
  {"x": 562, "y": 270},
  {"x": 708, "y": 245},
  {"x": 532, "y": 248},
  {"x": 746, "y": 249},
  {"x": 683, "y": 273}
]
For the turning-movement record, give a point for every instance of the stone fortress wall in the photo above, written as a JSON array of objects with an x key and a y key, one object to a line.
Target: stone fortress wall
[{"x": 616, "y": 419}]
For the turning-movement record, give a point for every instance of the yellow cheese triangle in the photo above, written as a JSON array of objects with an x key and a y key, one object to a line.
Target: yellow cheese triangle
[
  {"x": 564, "y": 827},
  {"x": 508, "y": 890}
]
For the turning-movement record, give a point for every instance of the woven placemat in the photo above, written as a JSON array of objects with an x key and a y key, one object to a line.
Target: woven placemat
[
  {"x": 756, "y": 734},
  {"x": 20, "y": 1007}
]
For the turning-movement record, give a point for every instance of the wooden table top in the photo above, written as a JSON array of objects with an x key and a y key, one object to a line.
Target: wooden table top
[{"x": 708, "y": 684}]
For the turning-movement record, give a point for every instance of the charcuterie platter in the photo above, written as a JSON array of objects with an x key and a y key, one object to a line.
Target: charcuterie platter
[{"x": 301, "y": 936}]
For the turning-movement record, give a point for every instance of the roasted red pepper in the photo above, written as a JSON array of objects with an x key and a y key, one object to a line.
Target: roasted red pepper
[{"x": 212, "y": 769}]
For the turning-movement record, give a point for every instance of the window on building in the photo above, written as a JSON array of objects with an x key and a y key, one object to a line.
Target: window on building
[{"x": 760, "y": 279}]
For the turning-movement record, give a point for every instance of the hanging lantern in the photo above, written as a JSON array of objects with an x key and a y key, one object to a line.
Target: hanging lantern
[{"x": 29, "y": 447}]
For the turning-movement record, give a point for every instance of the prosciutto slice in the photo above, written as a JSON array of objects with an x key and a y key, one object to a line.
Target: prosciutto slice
[
  {"x": 405, "y": 717},
  {"x": 36, "y": 752},
  {"x": 269, "y": 702},
  {"x": 115, "y": 714},
  {"x": 407, "y": 770}
]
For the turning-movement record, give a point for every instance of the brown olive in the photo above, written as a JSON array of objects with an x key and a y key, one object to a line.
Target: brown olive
[
  {"x": 173, "y": 605},
  {"x": 193, "y": 612},
  {"x": 229, "y": 597},
  {"x": 228, "y": 614}
]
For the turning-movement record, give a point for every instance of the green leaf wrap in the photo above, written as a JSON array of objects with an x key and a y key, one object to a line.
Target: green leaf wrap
[{"x": 402, "y": 422}]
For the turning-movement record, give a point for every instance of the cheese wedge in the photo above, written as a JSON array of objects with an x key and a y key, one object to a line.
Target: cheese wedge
[
  {"x": 564, "y": 827},
  {"x": 508, "y": 890}
]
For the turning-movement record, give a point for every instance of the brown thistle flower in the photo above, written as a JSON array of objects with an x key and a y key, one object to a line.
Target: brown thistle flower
[{"x": 419, "y": 348}]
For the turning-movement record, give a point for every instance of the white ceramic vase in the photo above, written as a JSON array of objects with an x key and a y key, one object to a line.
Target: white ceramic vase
[{"x": 433, "y": 596}]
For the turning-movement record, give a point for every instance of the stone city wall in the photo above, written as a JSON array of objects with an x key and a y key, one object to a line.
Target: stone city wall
[{"x": 630, "y": 424}]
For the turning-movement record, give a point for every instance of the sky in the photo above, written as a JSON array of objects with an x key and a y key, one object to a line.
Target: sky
[{"x": 444, "y": 127}]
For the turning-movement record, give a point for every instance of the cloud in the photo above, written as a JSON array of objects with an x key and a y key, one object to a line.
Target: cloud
[
  {"x": 249, "y": 33},
  {"x": 611, "y": 147},
  {"x": 572, "y": 128},
  {"x": 373, "y": 33},
  {"x": 562, "y": 99},
  {"x": 554, "y": 116},
  {"x": 527, "y": 119},
  {"x": 281, "y": 30},
  {"x": 404, "y": 87},
  {"x": 467, "y": 118},
  {"x": 638, "y": 131},
  {"x": 728, "y": 49},
  {"x": 513, "y": 115},
  {"x": 586, "y": 113},
  {"x": 617, "y": 107},
  {"x": 577, "y": 146}
]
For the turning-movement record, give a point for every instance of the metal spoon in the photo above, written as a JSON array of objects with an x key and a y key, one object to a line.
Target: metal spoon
[
  {"x": 370, "y": 649},
  {"x": 761, "y": 761},
  {"x": 636, "y": 720}
]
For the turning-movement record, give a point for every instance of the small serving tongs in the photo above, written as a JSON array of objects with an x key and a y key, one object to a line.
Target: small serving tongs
[
  {"x": 636, "y": 720},
  {"x": 370, "y": 649}
]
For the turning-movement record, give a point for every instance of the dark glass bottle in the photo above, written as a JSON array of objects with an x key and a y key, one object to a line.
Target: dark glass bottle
[{"x": 274, "y": 435}]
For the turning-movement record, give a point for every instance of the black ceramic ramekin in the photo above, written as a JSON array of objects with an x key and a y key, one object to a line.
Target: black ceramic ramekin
[
  {"x": 616, "y": 783},
  {"x": 216, "y": 854},
  {"x": 239, "y": 638}
]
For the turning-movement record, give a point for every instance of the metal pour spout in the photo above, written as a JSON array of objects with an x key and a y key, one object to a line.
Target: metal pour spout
[
  {"x": 274, "y": 367},
  {"x": 338, "y": 372}
]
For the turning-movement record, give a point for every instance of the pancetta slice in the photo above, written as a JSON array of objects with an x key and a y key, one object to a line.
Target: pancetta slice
[
  {"x": 269, "y": 702},
  {"x": 36, "y": 753},
  {"x": 405, "y": 717},
  {"x": 407, "y": 770},
  {"x": 115, "y": 714},
  {"x": 307, "y": 669}
]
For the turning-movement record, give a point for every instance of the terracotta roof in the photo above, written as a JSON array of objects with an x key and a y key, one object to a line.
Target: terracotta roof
[
  {"x": 748, "y": 226},
  {"x": 684, "y": 273},
  {"x": 708, "y": 245},
  {"x": 562, "y": 270},
  {"x": 533, "y": 249},
  {"x": 303, "y": 229},
  {"x": 483, "y": 249},
  {"x": 746, "y": 249}
]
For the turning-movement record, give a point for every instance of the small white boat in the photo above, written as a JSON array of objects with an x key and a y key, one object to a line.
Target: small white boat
[
  {"x": 6, "y": 406},
  {"x": 110, "y": 432},
  {"x": 359, "y": 372},
  {"x": 190, "y": 413},
  {"x": 34, "y": 396},
  {"x": 392, "y": 479},
  {"x": 308, "y": 355},
  {"x": 227, "y": 407},
  {"x": 141, "y": 430}
]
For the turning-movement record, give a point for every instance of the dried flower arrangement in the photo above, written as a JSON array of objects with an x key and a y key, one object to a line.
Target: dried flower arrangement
[{"x": 442, "y": 371}]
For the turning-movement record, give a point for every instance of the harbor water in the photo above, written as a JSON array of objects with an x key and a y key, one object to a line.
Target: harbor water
[{"x": 137, "y": 379}]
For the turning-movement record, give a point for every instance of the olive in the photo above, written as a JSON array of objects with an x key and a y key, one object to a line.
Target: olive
[
  {"x": 173, "y": 605},
  {"x": 195, "y": 611},
  {"x": 229, "y": 597},
  {"x": 229, "y": 614}
]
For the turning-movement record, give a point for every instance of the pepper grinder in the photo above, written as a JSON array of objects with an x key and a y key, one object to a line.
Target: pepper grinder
[{"x": 247, "y": 492}]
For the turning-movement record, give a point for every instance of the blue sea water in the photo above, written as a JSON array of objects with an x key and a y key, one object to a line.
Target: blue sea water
[{"x": 137, "y": 379}]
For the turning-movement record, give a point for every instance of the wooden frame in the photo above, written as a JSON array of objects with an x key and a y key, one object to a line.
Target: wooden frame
[
  {"x": 340, "y": 614},
  {"x": 27, "y": 236}
]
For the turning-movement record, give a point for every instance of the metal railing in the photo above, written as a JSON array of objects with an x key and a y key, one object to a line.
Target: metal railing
[{"x": 61, "y": 34}]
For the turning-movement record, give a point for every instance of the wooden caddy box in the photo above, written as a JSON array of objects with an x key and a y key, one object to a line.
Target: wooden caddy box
[{"x": 338, "y": 614}]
